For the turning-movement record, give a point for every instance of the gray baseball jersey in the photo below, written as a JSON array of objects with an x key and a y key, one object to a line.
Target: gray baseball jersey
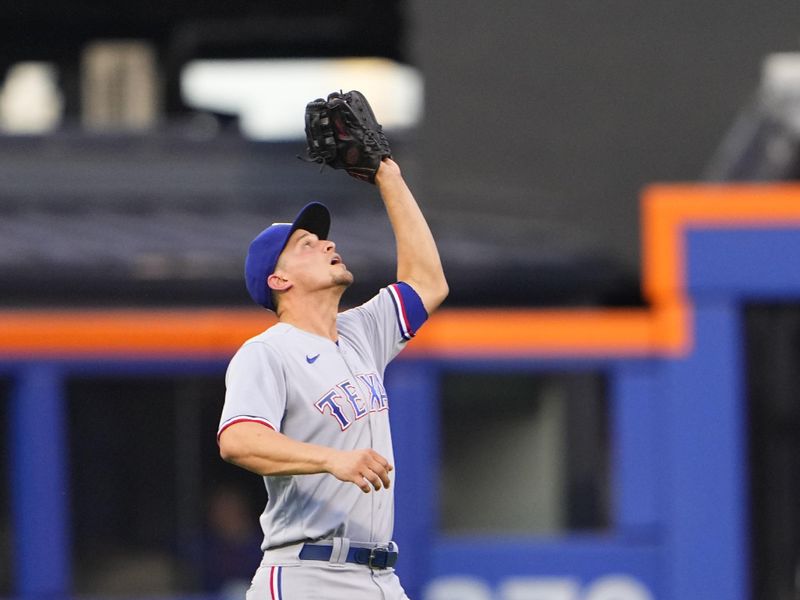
[{"x": 315, "y": 390}]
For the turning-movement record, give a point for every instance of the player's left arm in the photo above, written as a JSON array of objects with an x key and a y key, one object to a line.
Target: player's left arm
[{"x": 418, "y": 262}]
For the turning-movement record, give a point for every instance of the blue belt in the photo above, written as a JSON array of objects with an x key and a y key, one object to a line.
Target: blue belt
[{"x": 374, "y": 558}]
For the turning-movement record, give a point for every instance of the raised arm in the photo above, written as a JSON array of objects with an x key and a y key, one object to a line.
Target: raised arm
[{"x": 418, "y": 262}]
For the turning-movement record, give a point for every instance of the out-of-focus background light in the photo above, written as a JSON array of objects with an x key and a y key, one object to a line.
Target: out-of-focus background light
[{"x": 265, "y": 94}]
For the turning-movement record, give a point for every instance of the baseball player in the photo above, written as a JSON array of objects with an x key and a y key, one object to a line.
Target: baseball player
[{"x": 306, "y": 407}]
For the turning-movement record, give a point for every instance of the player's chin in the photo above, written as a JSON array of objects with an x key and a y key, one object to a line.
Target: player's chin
[{"x": 344, "y": 278}]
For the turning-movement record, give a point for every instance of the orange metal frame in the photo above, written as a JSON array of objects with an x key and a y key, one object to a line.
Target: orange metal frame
[{"x": 665, "y": 328}]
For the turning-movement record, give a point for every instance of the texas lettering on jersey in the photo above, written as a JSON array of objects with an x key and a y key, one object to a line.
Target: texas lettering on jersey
[{"x": 343, "y": 402}]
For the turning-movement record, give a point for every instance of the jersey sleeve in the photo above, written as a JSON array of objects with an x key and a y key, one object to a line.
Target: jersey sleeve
[
  {"x": 255, "y": 389},
  {"x": 387, "y": 321}
]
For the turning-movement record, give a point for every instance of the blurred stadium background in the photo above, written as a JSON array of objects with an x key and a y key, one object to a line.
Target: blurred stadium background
[{"x": 142, "y": 146}]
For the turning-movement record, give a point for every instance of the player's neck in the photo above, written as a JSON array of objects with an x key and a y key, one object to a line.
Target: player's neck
[{"x": 315, "y": 313}]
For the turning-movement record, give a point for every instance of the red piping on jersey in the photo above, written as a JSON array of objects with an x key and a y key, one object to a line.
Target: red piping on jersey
[
  {"x": 402, "y": 304},
  {"x": 245, "y": 420}
]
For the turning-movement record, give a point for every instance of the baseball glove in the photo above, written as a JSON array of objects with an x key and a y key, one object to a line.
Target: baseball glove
[{"x": 342, "y": 132}]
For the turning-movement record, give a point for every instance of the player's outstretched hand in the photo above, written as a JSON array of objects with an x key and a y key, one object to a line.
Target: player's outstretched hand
[{"x": 366, "y": 468}]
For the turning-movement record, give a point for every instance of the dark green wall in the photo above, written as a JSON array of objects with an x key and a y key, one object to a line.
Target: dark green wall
[{"x": 557, "y": 113}]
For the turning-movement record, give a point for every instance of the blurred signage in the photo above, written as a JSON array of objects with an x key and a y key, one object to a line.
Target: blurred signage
[{"x": 610, "y": 587}]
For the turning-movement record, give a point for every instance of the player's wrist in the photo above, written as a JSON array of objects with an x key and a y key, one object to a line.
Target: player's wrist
[
  {"x": 388, "y": 171},
  {"x": 327, "y": 459}
]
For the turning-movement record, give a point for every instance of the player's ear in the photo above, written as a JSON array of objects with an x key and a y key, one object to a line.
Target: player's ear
[{"x": 278, "y": 282}]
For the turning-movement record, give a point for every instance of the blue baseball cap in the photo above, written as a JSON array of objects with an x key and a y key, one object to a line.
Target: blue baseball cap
[{"x": 268, "y": 245}]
